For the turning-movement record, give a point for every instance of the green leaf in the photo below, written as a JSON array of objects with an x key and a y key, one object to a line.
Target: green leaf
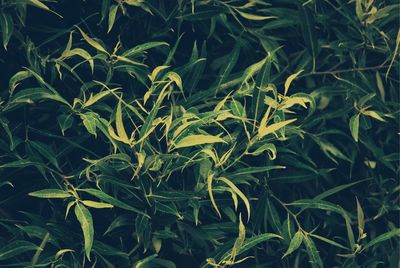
[
  {"x": 374, "y": 115},
  {"x": 39, "y": 4},
  {"x": 265, "y": 130},
  {"x": 89, "y": 120},
  {"x": 269, "y": 147},
  {"x": 120, "y": 125},
  {"x": 50, "y": 193},
  {"x": 85, "y": 219},
  {"x": 360, "y": 220},
  {"x": 92, "y": 42},
  {"x": 354, "y": 126},
  {"x": 61, "y": 252},
  {"x": 16, "y": 78},
  {"x": 237, "y": 108},
  {"x": 113, "y": 201},
  {"x": 7, "y": 28},
  {"x": 239, "y": 193},
  {"x": 31, "y": 95},
  {"x": 46, "y": 151},
  {"x": 94, "y": 204},
  {"x": 312, "y": 252},
  {"x": 232, "y": 60},
  {"x": 254, "y": 16},
  {"x": 16, "y": 248},
  {"x": 111, "y": 16},
  {"x": 239, "y": 240},
  {"x": 327, "y": 206},
  {"x": 93, "y": 99},
  {"x": 381, "y": 238},
  {"x": 294, "y": 243},
  {"x": 175, "y": 78},
  {"x": 65, "y": 122},
  {"x": 359, "y": 10},
  {"x": 210, "y": 193},
  {"x": 198, "y": 139},
  {"x": 289, "y": 81},
  {"x": 82, "y": 53},
  {"x": 18, "y": 164},
  {"x": 336, "y": 189},
  {"x": 252, "y": 170},
  {"x": 143, "y": 47},
  {"x": 309, "y": 34},
  {"x": 252, "y": 70},
  {"x": 148, "y": 123},
  {"x": 326, "y": 240},
  {"x": 251, "y": 242}
]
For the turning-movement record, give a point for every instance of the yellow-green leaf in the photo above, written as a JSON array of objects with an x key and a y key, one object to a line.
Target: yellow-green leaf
[
  {"x": 354, "y": 125},
  {"x": 62, "y": 252},
  {"x": 239, "y": 193},
  {"x": 120, "y": 125},
  {"x": 39, "y": 4},
  {"x": 374, "y": 115},
  {"x": 360, "y": 220},
  {"x": 289, "y": 81},
  {"x": 254, "y": 16},
  {"x": 92, "y": 42},
  {"x": 111, "y": 16},
  {"x": 263, "y": 131},
  {"x": 239, "y": 241},
  {"x": 94, "y": 204},
  {"x": 294, "y": 243},
  {"x": 85, "y": 219},
  {"x": 93, "y": 99},
  {"x": 50, "y": 193},
  {"x": 193, "y": 140},
  {"x": 210, "y": 193}
]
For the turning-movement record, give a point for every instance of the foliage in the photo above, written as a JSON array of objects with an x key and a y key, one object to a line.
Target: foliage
[{"x": 202, "y": 133}]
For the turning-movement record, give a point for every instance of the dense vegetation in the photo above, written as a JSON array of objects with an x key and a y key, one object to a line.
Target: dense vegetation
[{"x": 202, "y": 133}]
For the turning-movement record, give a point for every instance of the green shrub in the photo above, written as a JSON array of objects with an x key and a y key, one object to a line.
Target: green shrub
[{"x": 201, "y": 133}]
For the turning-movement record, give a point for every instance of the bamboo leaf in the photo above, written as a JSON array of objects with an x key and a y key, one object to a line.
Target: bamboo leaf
[
  {"x": 94, "y": 204},
  {"x": 236, "y": 190},
  {"x": 7, "y": 28},
  {"x": 16, "y": 248},
  {"x": 51, "y": 193},
  {"x": 111, "y": 16},
  {"x": 198, "y": 139},
  {"x": 113, "y": 201},
  {"x": 263, "y": 131},
  {"x": 120, "y": 125},
  {"x": 289, "y": 81},
  {"x": 360, "y": 220},
  {"x": 240, "y": 240},
  {"x": 381, "y": 238},
  {"x": 312, "y": 252},
  {"x": 294, "y": 243},
  {"x": 254, "y": 16},
  {"x": 85, "y": 219},
  {"x": 92, "y": 42},
  {"x": 354, "y": 124},
  {"x": 210, "y": 192}
]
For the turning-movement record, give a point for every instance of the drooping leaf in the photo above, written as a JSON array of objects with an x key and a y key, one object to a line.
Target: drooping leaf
[
  {"x": 289, "y": 81},
  {"x": 7, "y": 28},
  {"x": 85, "y": 219},
  {"x": 111, "y": 16},
  {"x": 354, "y": 124}
]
